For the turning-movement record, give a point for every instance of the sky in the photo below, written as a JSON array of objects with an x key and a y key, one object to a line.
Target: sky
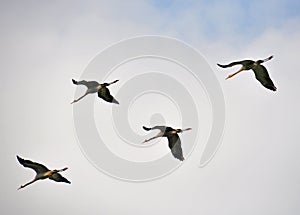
[{"x": 45, "y": 44}]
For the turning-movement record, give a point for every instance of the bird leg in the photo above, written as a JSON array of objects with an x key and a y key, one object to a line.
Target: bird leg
[
  {"x": 233, "y": 74},
  {"x": 22, "y": 186},
  {"x": 76, "y": 100},
  {"x": 156, "y": 136}
]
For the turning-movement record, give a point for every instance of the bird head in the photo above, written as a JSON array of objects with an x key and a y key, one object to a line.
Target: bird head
[
  {"x": 264, "y": 60},
  {"x": 259, "y": 62},
  {"x": 64, "y": 169},
  {"x": 60, "y": 170},
  {"x": 104, "y": 84},
  {"x": 182, "y": 130}
]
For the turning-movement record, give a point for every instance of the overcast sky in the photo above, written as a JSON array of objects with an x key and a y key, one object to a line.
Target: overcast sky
[{"x": 44, "y": 44}]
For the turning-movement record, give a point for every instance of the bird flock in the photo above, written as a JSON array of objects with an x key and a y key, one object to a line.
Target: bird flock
[{"x": 42, "y": 172}]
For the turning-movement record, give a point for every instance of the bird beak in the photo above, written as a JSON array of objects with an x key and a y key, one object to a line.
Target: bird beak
[
  {"x": 269, "y": 58},
  {"x": 187, "y": 129}
]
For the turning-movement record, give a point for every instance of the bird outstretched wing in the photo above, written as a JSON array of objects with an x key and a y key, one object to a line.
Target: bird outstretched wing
[
  {"x": 175, "y": 146},
  {"x": 261, "y": 74},
  {"x": 38, "y": 168},
  {"x": 243, "y": 62},
  {"x": 59, "y": 178},
  {"x": 104, "y": 94},
  {"x": 161, "y": 128},
  {"x": 88, "y": 84},
  {"x": 230, "y": 65}
]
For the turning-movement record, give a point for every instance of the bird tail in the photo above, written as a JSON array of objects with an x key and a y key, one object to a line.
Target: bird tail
[
  {"x": 74, "y": 82},
  {"x": 146, "y": 128}
]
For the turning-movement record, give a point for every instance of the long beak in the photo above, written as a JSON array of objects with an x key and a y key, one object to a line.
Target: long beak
[
  {"x": 269, "y": 58},
  {"x": 64, "y": 169},
  {"x": 113, "y": 82},
  {"x": 186, "y": 129}
]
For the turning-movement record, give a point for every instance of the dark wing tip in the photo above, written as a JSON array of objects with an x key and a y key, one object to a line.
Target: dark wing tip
[
  {"x": 181, "y": 159},
  {"x": 220, "y": 65},
  {"x": 74, "y": 82},
  {"x": 64, "y": 180},
  {"x": 115, "y": 101},
  {"x": 59, "y": 178},
  {"x": 147, "y": 129},
  {"x": 179, "y": 156},
  {"x": 21, "y": 160}
]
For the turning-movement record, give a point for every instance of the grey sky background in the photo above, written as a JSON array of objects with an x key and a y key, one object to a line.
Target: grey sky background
[{"x": 44, "y": 44}]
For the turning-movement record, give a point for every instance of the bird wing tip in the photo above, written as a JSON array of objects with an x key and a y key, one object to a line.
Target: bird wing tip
[
  {"x": 115, "y": 101},
  {"x": 146, "y": 128}
]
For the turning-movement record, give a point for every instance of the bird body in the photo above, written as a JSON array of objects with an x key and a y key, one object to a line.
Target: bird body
[
  {"x": 42, "y": 172},
  {"x": 95, "y": 87},
  {"x": 173, "y": 139},
  {"x": 261, "y": 73}
]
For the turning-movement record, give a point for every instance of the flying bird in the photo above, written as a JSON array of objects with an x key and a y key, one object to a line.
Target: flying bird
[
  {"x": 173, "y": 139},
  {"x": 259, "y": 70},
  {"x": 42, "y": 172},
  {"x": 94, "y": 87}
]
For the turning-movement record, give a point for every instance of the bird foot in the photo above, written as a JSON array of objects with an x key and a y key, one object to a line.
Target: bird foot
[{"x": 229, "y": 76}]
